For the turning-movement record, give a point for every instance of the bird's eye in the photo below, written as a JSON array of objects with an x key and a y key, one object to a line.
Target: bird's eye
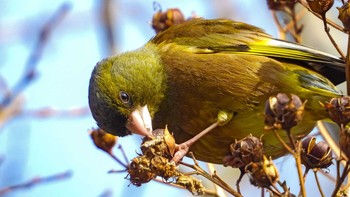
[{"x": 125, "y": 97}]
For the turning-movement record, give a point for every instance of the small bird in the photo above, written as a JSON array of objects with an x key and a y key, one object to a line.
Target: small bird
[{"x": 189, "y": 74}]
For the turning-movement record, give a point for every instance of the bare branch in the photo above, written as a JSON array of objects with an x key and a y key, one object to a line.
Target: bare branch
[{"x": 36, "y": 181}]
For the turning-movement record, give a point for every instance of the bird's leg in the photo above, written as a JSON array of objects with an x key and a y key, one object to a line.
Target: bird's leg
[{"x": 181, "y": 149}]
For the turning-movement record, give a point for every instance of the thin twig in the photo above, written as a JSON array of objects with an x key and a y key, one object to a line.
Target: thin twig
[
  {"x": 296, "y": 32},
  {"x": 297, "y": 18},
  {"x": 281, "y": 30},
  {"x": 211, "y": 178},
  {"x": 218, "y": 189},
  {"x": 347, "y": 66},
  {"x": 36, "y": 181},
  {"x": 120, "y": 147},
  {"x": 341, "y": 180},
  {"x": 11, "y": 110},
  {"x": 327, "y": 30},
  {"x": 118, "y": 161},
  {"x": 334, "y": 146},
  {"x": 274, "y": 189},
  {"x": 327, "y": 175},
  {"x": 305, "y": 173},
  {"x": 107, "y": 21},
  {"x": 330, "y": 22},
  {"x": 206, "y": 191},
  {"x": 296, "y": 155},
  {"x": 283, "y": 142},
  {"x": 46, "y": 112},
  {"x": 299, "y": 169},
  {"x": 30, "y": 68},
  {"x": 318, "y": 183}
]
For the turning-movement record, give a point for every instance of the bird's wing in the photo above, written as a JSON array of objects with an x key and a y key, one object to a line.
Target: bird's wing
[{"x": 226, "y": 36}]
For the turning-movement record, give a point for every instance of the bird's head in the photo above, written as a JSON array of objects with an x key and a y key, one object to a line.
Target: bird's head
[{"x": 126, "y": 90}]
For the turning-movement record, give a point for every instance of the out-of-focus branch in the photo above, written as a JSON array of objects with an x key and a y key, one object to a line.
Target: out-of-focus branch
[
  {"x": 330, "y": 22},
  {"x": 106, "y": 193},
  {"x": 10, "y": 111},
  {"x": 30, "y": 68},
  {"x": 327, "y": 30},
  {"x": 292, "y": 27},
  {"x": 36, "y": 181},
  {"x": 15, "y": 109},
  {"x": 11, "y": 104},
  {"x": 47, "y": 112},
  {"x": 106, "y": 19}
]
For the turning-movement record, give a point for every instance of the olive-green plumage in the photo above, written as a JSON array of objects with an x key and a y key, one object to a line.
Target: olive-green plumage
[{"x": 188, "y": 73}]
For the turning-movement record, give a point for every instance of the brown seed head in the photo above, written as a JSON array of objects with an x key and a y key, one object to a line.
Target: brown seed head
[
  {"x": 320, "y": 6},
  {"x": 139, "y": 171},
  {"x": 316, "y": 155},
  {"x": 103, "y": 140},
  {"x": 344, "y": 15},
  {"x": 243, "y": 152},
  {"x": 263, "y": 173},
  {"x": 283, "y": 112},
  {"x": 163, "y": 20},
  {"x": 339, "y": 110},
  {"x": 161, "y": 143},
  {"x": 280, "y": 5},
  {"x": 191, "y": 184},
  {"x": 162, "y": 167}
]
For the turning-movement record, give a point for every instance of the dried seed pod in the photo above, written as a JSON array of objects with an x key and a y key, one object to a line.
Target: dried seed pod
[
  {"x": 103, "y": 140},
  {"x": 162, "y": 167},
  {"x": 161, "y": 143},
  {"x": 279, "y": 5},
  {"x": 163, "y": 20},
  {"x": 316, "y": 155},
  {"x": 283, "y": 112},
  {"x": 339, "y": 110},
  {"x": 191, "y": 184},
  {"x": 243, "y": 152},
  {"x": 139, "y": 171},
  {"x": 344, "y": 15},
  {"x": 320, "y": 6},
  {"x": 263, "y": 173},
  {"x": 157, "y": 151},
  {"x": 169, "y": 141}
]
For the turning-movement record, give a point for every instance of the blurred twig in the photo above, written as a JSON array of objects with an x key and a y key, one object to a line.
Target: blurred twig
[
  {"x": 46, "y": 112},
  {"x": 347, "y": 66},
  {"x": 107, "y": 20},
  {"x": 292, "y": 27},
  {"x": 318, "y": 183},
  {"x": 327, "y": 30},
  {"x": 11, "y": 110},
  {"x": 334, "y": 146},
  {"x": 106, "y": 193},
  {"x": 30, "y": 67},
  {"x": 330, "y": 22},
  {"x": 36, "y": 181},
  {"x": 282, "y": 31}
]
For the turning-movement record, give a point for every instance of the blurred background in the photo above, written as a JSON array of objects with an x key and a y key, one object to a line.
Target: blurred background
[{"x": 44, "y": 117}]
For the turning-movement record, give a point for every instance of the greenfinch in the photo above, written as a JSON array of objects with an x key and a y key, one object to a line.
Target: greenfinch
[{"x": 186, "y": 75}]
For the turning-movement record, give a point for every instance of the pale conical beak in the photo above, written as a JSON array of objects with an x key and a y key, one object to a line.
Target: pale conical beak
[{"x": 139, "y": 121}]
